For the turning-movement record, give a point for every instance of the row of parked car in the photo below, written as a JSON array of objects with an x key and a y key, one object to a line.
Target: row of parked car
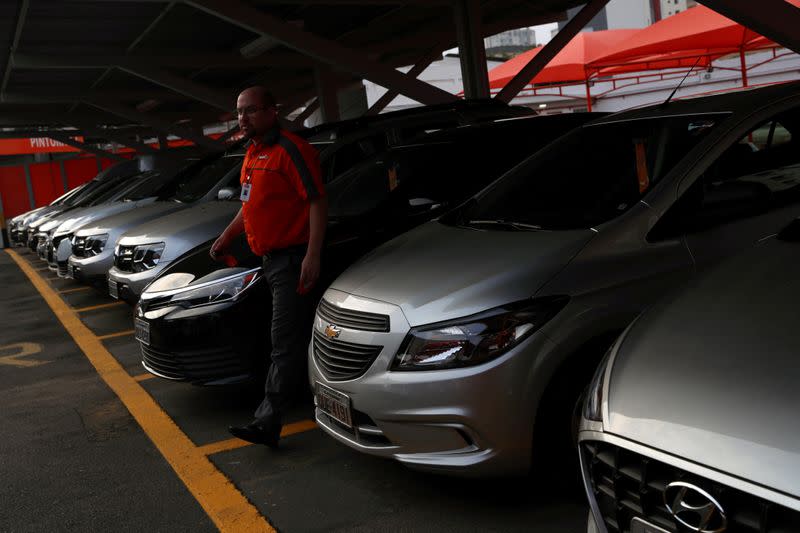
[{"x": 606, "y": 293}]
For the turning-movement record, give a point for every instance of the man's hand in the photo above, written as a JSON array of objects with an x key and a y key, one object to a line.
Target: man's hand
[
  {"x": 219, "y": 248},
  {"x": 309, "y": 273}
]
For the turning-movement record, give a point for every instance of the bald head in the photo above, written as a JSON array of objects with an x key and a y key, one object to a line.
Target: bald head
[{"x": 256, "y": 111}]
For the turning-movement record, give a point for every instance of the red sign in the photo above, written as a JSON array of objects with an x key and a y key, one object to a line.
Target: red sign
[{"x": 35, "y": 145}]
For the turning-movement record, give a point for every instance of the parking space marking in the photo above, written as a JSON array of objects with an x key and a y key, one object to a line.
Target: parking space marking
[
  {"x": 143, "y": 377},
  {"x": 76, "y": 289},
  {"x": 21, "y": 349},
  {"x": 54, "y": 279},
  {"x": 115, "y": 335},
  {"x": 99, "y": 306},
  {"x": 233, "y": 444},
  {"x": 225, "y": 505},
  {"x": 42, "y": 269}
]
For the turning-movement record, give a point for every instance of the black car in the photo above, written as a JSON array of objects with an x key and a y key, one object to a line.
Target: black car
[{"x": 207, "y": 323}]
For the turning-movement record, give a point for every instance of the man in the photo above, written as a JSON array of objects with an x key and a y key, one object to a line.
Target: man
[{"x": 284, "y": 213}]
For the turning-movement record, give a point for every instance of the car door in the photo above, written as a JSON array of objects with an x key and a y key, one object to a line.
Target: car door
[{"x": 748, "y": 193}]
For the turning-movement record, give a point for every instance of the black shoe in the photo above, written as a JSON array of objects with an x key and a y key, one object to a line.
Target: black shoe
[{"x": 258, "y": 434}]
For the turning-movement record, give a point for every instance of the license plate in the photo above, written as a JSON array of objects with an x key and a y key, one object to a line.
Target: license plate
[
  {"x": 113, "y": 289},
  {"x": 141, "y": 330},
  {"x": 71, "y": 271},
  {"x": 640, "y": 526},
  {"x": 334, "y": 404}
]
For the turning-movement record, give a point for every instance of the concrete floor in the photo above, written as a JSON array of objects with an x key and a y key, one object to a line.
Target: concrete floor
[{"x": 73, "y": 458}]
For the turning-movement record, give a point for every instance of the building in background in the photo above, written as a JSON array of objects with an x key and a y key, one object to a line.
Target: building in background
[{"x": 510, "y": 43}]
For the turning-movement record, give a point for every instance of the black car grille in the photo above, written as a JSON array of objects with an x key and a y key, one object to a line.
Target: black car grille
[
  {"x": 123, "y": 259},
  {"x": 341, "y": 360},
  {"x": 79, "y": 247},
  {"x": 349, "y": 318},
  {"x": 199, "y": 365},
  {"x": 627, "y": 485}
]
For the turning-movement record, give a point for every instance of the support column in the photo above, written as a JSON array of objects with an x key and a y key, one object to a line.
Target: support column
[
  {"x": 743, "y": 62},
  {"x": 29, "y": 183},
  {"x": 328, "y": 94},
  {"x": 471, "y": 50},
  {"x": 64, "y": 181}
]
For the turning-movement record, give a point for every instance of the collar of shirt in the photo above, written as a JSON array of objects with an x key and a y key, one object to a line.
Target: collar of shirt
[{"x": 270, "y": 138}]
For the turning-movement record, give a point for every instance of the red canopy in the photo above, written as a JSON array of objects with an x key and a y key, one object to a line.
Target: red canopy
[
  {"x": 569, "y": 64},
  {"x": 691, "y": 33}
]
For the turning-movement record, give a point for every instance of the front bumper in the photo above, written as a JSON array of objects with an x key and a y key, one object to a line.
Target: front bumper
[
  {"x": 627, "y": 482},
  {"x": 474, "y": 421},
  {"x": 91, "y": 269},
  {"x": 130, "y": 285},
  {"x": 218, "y": 344}
]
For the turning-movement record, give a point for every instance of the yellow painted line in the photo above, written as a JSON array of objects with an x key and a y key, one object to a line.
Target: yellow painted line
[
  {"x": 143, "y": 377},
  {"x": 76, "y": 289},
  {"x": 117, "y": 334},
  {"x": 225, "y": 505},
  {"x": 233, "y": 444},
  {"x": 100, "y": 306}
]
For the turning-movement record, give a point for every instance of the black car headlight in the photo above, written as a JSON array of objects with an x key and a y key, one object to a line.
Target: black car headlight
[
  {"x": 476, "y": 339},
  {"x": 147, "y": 256},
  {"x": 216, "y": 291},
  {"x": 95, "y": 244}
]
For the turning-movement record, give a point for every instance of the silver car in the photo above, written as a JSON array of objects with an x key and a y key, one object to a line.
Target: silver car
[
  {"x": 92, "y": 248},
  {"x": 463, "y": 346},
  {"x": 143, "y": 252},
  {"x": 691, "y": 422}
]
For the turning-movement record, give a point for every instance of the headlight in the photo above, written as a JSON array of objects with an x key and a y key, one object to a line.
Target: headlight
[
  {"x": 474, "y": 340},
  {"x": 95, "y": 244},
  {"x": 216, "y": 291},
  {"x": 147, "y": 256},
  {"x": 593, "y": 409}
]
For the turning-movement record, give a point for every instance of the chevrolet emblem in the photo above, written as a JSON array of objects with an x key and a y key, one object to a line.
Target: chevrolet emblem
[{"x": 332, "y": 332}]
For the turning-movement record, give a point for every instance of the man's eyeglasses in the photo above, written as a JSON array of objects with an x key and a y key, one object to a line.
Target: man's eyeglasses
[{"x": 249, "y": 110}]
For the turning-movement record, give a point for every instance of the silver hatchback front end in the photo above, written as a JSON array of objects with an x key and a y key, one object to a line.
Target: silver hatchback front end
[{"x": 463, "y": 421}]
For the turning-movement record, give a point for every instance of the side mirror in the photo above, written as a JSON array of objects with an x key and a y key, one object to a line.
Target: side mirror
[
  {"x": 226, "y": 193},
  {"x": 423, "y": 204}
]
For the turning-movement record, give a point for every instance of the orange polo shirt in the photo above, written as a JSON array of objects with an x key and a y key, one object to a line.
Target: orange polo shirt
[{"x": 284, "y": 174}]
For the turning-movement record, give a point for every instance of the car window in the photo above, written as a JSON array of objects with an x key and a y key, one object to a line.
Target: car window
[
  {"x": 352, "y": 153},
  {"x": 591, "y": 175},
  {"x": 758, "y": 173},
  {"x": 194, "y": 185}
]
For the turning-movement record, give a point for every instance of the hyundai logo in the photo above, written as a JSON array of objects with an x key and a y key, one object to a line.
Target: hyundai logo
[
  {"x": 695, "y": 508},
  {"x": 332, "y": 332}
]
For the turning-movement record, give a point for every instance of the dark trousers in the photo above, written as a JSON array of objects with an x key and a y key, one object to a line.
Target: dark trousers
[{"x": 290, "y": 332}]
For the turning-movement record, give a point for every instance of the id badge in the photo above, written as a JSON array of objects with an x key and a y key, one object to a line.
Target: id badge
[{"x": 245, "y": 196}]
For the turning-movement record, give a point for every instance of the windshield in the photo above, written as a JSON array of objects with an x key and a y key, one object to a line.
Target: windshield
[
  {"x": 119, "y": 189},
  {"x": 194, "y": 185},
  {"x": 588, "y": 177}
]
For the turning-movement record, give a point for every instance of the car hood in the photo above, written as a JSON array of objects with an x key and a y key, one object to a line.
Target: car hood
[
  {"x": 121, "y": 222},
  {"x": 81, "y": 217},
  {"x": 712, "y": 374},
  {"x": 438, "y": 272},
  {"x": 27, "y": 215},
  {"x": 183, "y": 230},
  {"x": 42, "y": 218}
]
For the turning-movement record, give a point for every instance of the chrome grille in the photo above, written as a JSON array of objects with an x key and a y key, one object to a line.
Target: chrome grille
[
  {"x": 352, "y": 319},
  {"x": 627, "y": 485},
  {"x": 340, "y": 360},
  {"x": 123, "y": 258}
]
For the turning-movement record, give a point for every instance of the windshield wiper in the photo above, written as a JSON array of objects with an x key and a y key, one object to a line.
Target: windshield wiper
[{"x": 520, "y": 226}]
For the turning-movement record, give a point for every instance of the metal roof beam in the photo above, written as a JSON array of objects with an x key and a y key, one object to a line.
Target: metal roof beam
[
  {"x": 777, "y": 20},
  {"x": 550, "y": 50},
  {"x": 387, "y": 97},
  {"x": 323, "y": 50},
  {"x": 66, "y": 139},
  {"x": 106, "y": 133},
  {"x": 182, "y": 86},
  {"x": 158, "y": 124},
  {"x": 94, "y": 60},
  {"x": 23, "y": 13}
]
